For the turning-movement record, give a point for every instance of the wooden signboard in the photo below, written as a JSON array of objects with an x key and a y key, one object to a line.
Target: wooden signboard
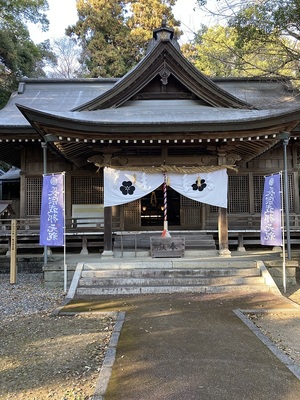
[{"x": 167, "y": 246}]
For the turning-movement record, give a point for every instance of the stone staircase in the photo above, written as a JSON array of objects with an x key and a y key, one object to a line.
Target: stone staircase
[
  {"x": 133, "y": 277},
  {"x": 139, "y": 242}
]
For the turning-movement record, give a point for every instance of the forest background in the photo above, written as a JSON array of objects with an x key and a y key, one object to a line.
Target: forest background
[{"x": 237, "y": 39}]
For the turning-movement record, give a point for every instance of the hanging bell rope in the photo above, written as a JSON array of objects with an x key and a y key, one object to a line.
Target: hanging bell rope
[{"x": 165, "y": 232}]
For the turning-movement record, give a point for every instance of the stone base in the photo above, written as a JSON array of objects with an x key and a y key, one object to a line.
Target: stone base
[
  {"x": 54, "y": 275},
  {"x": 276, "y": 271},
  {"x": 224, "y": 253},
  {"x": 241, "y": 249},
  {"x": 107, "y": 253}
]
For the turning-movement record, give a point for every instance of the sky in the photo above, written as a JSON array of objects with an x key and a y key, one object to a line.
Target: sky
[{"x": 62, "y": 13}]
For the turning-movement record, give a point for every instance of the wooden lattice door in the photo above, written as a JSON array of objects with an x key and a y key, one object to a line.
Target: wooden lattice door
[
  {"x": 190, "y": 213},
  {"x": 132, "y": 212},
  {"x": 33, "y": 196},
  {"x": 239, "y": 199}
]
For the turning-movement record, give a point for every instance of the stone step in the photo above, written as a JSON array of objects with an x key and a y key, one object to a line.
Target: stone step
[
  {"x": 174, "y": 272},
  {"x": 166, "y": 263},
  {"x": 134, "y": 279},
  {"x": 97, "y": 290},
  {"x": 139, "y": 253},
  {"x": 134, "y": 276},
  {"x": 200, "y": 240},
  {"x": 145, "y": 243},
  {"x": 170, "y": 281}
]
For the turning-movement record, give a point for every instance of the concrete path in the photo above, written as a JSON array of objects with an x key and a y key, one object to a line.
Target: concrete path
[{"x": 193, "y": 346}]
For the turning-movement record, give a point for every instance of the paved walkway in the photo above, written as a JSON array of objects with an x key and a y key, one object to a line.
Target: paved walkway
[{"x": 193, "y": 346}]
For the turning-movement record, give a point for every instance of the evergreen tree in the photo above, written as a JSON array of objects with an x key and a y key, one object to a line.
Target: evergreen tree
[
  {"x": 114, "y": 33},
  {"x": 19, "y": 56},
  {"x": 102, "y": 33},
  {"x": 145, "y": 18}
]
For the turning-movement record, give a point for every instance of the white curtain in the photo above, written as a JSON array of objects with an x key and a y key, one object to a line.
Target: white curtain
[
  {"x": 209, "y": 188},
  {"x": 122, "y": 187}
]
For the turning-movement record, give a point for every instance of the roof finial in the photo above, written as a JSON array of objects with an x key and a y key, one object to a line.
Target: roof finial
[{"x": 163, "y": 34}]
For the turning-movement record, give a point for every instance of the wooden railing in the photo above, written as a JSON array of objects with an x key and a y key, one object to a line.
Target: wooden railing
[
  {"x": 27, "y": 225},
  {"x": 82, "y": 233},
  {"x": 244, "y": 230},
  {"x": 242, "y": 222}
]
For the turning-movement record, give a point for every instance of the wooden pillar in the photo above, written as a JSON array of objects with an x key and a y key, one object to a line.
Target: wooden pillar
[
  {"x": 108, "y": 250},
  {"x": 203, "y": 216},
  {"x": 23, "y": 191},
  {"x": 13, "y": 252},
  {"x": 223, "y": 219},
  {"x": 223, "y": 233}
]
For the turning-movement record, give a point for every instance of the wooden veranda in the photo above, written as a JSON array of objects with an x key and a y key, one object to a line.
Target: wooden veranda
[{"x": 87, "y": 236}]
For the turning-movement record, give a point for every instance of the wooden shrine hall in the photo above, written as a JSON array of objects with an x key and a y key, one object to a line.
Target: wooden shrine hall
[{"x": 163, "y": 114}]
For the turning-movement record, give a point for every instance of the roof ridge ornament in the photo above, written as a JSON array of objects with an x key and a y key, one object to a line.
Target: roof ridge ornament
[
  {"x": 164, "y": 74},
  {"x": 163, "y": 34}
]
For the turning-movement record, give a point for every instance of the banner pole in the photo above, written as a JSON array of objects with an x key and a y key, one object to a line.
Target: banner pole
[
  {"x": 286, "y": 197},
  {"x": 283, "y": 241},
  {"x": 44, "y": 147},
  {"x": 64, "y": 231}
]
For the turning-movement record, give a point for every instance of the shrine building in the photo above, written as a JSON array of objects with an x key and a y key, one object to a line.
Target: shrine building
[{"x": 165, "y": 117}]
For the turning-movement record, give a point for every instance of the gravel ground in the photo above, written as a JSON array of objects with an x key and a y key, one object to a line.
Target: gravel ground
[
  {"x": 44, "y": 357},
  {"x": 283, "y": 328}
]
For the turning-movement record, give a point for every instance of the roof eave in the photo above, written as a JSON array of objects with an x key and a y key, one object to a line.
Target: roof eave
[{"x": 38, "y": 119}]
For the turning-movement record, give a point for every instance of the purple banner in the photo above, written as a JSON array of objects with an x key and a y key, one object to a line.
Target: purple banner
[
  {"x": 52, "y": 211},
  {"x": 271, "y": 221}
]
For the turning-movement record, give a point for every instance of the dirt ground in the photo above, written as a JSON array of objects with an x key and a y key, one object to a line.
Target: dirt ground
[
  {"x": 59, "y": 358},
  {"x": 43, "y": 357}
]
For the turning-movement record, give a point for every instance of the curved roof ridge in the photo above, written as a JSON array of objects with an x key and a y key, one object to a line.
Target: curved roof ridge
[{"x": 164, "y": 55}]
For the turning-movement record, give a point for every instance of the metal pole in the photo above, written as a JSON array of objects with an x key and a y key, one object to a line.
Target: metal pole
[
  {"x": 64, "y": 230},
  {"x": 44, "y": 147},
  {"x": 286, "y": 197},
  {"x": 283, "y": 241}
]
